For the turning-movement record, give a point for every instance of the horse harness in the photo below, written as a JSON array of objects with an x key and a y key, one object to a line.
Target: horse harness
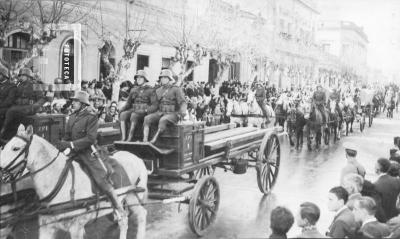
[{"x": 13, "y": 177}]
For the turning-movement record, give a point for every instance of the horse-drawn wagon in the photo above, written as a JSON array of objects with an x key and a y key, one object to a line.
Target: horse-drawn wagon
[{"x": 186, "y": 155}]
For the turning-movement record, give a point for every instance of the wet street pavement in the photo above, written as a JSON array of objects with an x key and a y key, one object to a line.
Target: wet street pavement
[{"x": 244, "y": 212}]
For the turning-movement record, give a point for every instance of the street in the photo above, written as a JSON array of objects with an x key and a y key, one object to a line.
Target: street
[{"x": 244, "y": 212}]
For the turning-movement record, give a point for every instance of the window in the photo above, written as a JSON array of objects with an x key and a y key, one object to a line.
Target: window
[
  {"x": 16, "y": 47},
  {"x": 234, "y": 71},
  {"x": 142, "y": 62},
  {"x": 166, "y": 63},
  {"x": 190, "y": 76}
]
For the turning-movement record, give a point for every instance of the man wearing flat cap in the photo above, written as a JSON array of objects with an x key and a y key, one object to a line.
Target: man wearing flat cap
[
  {"x": 80, "y": 135},
  {"x": 141, "y": 101},
  {"x": 7, "y": 93},
  {"x": 171, "y": 106},
  {"x": 28, "y": 102},
  {"x": 261, "y": 95},
  {"x": 352, "y": 165}
]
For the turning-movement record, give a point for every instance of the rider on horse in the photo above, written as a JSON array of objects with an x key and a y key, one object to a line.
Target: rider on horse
[
  {"x": 319, "y": 99},
  {"x": 80, "y": 136},
  {"x": 261, "y": 95}
]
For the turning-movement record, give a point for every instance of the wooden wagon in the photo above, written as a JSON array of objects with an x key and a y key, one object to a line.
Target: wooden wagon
[{"x": 188, "y": 153}]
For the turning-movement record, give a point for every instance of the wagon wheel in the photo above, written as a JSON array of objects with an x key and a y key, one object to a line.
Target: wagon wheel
[
  {"x": 268, "y": 163},
  {"x": 203, "y": 205}
]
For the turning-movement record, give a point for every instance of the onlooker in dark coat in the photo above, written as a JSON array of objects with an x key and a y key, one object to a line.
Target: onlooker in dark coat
[
  {"x": 369, "y": 190},
  {"x": 388, "y": 187},
  {"x": 364, "y": 212},
  {"x": 343, "y": 224},
  {"x": 281, "y": 222}
]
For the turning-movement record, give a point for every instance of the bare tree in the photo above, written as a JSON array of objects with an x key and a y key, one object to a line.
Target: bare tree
[{"x": 39, "y": 18}]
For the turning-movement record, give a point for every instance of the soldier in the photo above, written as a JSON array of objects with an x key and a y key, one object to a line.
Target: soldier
[
  {"x": 7, "y": 93},
  {"x": 80, "y": 135},
  {"x": 28, "y": 102},
  {"x": 261, "y": 95},
  {"x": 319, "y": 99},
  {"x": 141, "y": 101},
  {"x": 171, "y": 106}
]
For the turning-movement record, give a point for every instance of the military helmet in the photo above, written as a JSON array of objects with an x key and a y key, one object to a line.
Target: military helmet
[
  {"x": 141, "y": 73},
  {"x": 81, "y": 96},
  {"x": 26, "y": 72},
  {"x": 166, "y": 73}
]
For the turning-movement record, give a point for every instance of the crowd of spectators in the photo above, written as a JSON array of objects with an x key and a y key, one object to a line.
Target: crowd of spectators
[{"x": 362, "y": 209}]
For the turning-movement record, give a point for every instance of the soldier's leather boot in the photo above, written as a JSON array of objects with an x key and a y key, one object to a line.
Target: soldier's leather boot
[
  {"x": 131, "y": 132},
  {"x": 146, "y": 130},
  {"x": 120, "y": 212},
  {"x": 123, "y": 130},
  {"x": 153, "y": 141}
]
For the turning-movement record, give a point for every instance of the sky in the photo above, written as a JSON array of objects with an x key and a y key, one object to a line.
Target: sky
[{"x": 379, "y": 18}]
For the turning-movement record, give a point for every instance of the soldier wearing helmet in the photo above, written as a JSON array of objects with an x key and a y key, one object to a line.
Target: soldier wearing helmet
[
  {"x": 319, "y": 99},
  {"x": 28, "y": 102},
  {"x": 141, "y": 101},
  {"x": 171, "y": 106},
  {"x": 7, "y": 93},
  {"x": 80, "y": 135},
  {"x": 261, "y": 95}
]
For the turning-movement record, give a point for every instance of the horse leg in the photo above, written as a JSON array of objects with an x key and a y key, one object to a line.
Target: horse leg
[
  {"x": 47, "y": 232},
  {"x": 351, "y": 125},
  {"x": 139, "y": 213},
  {"x": 77, "y": 231}
]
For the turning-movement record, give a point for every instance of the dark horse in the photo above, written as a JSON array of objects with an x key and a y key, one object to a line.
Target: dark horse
[
  {"x": 348, "y": 117},
  {"x": 314, "y": 124},
  {"x": 281, "y": 111},
  {"x": 295, "y": 125},
  {"x": 335, "y": 120}
]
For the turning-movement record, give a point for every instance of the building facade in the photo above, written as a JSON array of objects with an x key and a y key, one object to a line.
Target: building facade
[{"x": 348, "y": 42}]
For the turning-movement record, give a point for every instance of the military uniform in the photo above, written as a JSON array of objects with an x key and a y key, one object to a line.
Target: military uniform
[
  {"x": 260, "y": 95},
  {"x": 141, "y": 101},
  {"x": 27, "y": 102},
  {"x": 7, "y": 97},
  {"x": 81, "y": 131},
  {"x": 171, "y": 103}
]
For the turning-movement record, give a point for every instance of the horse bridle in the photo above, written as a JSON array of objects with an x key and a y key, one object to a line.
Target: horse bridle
[
  {"x": 9, "y": 176},
  {"x": 7, "y": 173}
]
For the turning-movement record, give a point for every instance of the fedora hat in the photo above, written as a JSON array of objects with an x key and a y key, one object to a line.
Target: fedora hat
[
  {"x": 166, "y": 73},
  {"x": 141, "y": 73},
  {"x": 26, "y": 72},
  {"x": 81, "y": 96}
]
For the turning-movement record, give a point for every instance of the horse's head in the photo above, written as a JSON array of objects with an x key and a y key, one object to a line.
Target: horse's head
[
  {"x": 14, "y": 154},
  {"x": 332, "y": 106}
]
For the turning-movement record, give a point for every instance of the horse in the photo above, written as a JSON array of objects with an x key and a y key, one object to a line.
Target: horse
[
  {"x": 314, "y": 123},
  {"x": 335, "y": 120},
  {"x": 281, "y": 110},
  {"x": 45, "y": 164},
  {"x": 295, "y": 125},
  {"x": 349, "y": 114}
]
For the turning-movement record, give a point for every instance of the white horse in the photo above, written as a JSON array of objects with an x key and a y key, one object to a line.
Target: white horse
[
  {"x": 46, "y": 164},
  {"x": 254, "y": 108}
]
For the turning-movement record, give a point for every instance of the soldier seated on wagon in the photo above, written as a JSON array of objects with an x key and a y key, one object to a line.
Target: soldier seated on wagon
[
  {"x": 141, "y": 101},
  {"x": 28, "y": 102},
  {"x": 171, "y": 106}
]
